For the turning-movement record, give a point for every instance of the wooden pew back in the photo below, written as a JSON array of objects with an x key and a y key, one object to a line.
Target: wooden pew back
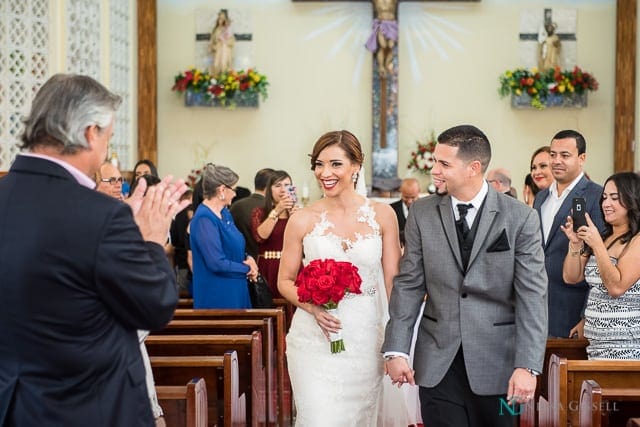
[
  {"x": 221, "y": 374},
  {"x": 607, "y": 406},
  {"x": 249, "y": 352},
  {"x": 563, "y": 347},
  {"x": 278, "y": 314},
  {"x": 184, "y": 406},
  {"x": 565, "y": 383},
  {"x": 239, "y": 326}
]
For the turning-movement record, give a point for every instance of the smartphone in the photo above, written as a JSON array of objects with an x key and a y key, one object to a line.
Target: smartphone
[
  {"x": 579, "y": 206},
  {"x": 291, "y": 190}
]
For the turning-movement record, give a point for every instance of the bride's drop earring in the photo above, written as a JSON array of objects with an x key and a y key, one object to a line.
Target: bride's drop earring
[{"x": 354, "y": 177}]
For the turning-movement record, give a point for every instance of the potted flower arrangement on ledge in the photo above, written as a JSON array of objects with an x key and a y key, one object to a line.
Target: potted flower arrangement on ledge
[
  {"x": 229, "y": 89},
  {"x": 422, "y": 159},
  {"x": 548, "y": 88}
]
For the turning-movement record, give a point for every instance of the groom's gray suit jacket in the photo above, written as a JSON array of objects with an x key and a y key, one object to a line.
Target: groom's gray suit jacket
[{"x": 496, "y": 309}]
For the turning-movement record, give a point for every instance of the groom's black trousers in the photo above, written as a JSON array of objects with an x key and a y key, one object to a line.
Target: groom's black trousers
[{"x": 452, "y": 403}]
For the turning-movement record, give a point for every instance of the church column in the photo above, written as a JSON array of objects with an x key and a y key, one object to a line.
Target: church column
[{"x": 625, "y": 111}]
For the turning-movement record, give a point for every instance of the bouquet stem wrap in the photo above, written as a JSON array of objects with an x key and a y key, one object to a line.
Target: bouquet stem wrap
[{"x": 337, "y": 343}]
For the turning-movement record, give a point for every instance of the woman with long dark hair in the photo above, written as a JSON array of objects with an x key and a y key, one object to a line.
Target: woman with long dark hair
[
  {"x": 609, "y": 263},
  {"x": 268, "y": 224}
]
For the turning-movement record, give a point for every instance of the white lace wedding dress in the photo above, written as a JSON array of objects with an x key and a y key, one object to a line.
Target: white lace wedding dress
[{"x": 345, "y": 389}]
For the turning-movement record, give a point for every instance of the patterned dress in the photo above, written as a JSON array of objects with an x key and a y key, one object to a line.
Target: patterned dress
[{"x": 612, "y": 325}]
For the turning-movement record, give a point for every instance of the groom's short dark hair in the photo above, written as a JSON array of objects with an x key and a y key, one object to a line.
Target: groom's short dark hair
[{"x": 472, "y": 143}]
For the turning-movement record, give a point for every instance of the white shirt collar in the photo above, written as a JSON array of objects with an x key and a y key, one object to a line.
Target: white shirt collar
[
  {"x": 553, "y": 189},
  {"x": 477, "y": 199}
]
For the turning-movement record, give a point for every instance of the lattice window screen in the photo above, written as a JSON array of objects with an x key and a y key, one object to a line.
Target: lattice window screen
[
  {"x": 24, "y": 48},
  {"x": 83, "y": 37},
  {"x": 120, "y": 75}
]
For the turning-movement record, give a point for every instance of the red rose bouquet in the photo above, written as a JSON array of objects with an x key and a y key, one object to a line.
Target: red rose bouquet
[{"x": 325, "y": 282}]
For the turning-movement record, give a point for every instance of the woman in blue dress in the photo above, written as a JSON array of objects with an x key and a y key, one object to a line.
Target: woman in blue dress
[{"x": 220, "y": 265}]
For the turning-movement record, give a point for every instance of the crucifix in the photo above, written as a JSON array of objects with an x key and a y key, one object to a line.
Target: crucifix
[
  {"x": 562, "y": 26},
  {"x": 383, "y": 43}
]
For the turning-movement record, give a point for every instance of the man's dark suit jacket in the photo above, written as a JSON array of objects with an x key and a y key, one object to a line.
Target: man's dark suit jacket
[
  {"x": 397, "y": 208},
  {"x": 76, "y": 280},
  {"x": 566, "y": 302},
  {"x": 241, "y": 212}
]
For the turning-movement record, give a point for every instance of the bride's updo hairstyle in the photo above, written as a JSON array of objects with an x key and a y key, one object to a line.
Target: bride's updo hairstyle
[{"x": 343, "y": 139}]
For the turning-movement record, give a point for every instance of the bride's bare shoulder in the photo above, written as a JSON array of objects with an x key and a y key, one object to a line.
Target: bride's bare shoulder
[{"x": 303, "y": 220}]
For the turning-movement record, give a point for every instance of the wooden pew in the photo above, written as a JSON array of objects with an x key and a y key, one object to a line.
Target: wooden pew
[
  {"x": 278, "y": 314},
  {"x": 184, "y": 406},
  {"x": 249, "y": 352},
  {"x": 185, "y": 303},
  {"x": 221, "y": 375},
  {"x": 565, "y": 381},
  {"x": 607, "y": 406},
  {"x": 288, "y": 310},
  {"x": 569, "y": 348},
  {"x": 237, "y": 327}
]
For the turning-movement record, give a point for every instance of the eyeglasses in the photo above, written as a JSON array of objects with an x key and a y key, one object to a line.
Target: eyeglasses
[
  {"x": 113, "y": 180},
  {"x": 230, "y": 188}
]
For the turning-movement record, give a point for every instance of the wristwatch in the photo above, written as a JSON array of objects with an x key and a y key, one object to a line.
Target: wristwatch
[{"x": 532, "y": 372}]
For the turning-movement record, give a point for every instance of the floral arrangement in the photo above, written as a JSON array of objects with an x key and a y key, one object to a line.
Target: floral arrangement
[
  {"x": 325, "y": 283},
  {"x": 539, "y": 84},
  {"x": 193, "y": 177},
  {"x": 422, "y": 159},
  {"x": 224, "y": 86}
]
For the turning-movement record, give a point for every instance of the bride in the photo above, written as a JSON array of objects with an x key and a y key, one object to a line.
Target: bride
[{"x": 347, "y": 388}]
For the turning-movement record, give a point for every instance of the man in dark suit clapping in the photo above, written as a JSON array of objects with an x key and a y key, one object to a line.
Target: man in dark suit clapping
[
  {"x": 409, "y": 193},
  {"x": 80, "y": 271}
]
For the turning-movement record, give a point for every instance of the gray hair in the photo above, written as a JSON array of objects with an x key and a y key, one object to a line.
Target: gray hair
[
  {"x": 213, "y": 176},
  {"x": 63, "y": 109}
]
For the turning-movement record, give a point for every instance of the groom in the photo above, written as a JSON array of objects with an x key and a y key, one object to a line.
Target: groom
[{"x": 477, "y": 256}]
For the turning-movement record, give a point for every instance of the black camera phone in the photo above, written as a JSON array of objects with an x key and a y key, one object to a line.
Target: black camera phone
[{"x": 579, "y": 206}]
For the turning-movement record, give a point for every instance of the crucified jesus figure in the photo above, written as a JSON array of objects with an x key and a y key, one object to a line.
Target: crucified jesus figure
[{"x": 384, "y": 34}]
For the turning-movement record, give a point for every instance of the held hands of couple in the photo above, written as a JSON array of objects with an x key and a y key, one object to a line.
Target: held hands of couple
[
  {"x": 399, "y": 371},
  {"x": 154, "y": 211}
]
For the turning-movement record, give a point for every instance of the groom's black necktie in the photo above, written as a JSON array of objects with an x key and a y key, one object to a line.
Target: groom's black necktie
[{"x": 463, "y": 208}]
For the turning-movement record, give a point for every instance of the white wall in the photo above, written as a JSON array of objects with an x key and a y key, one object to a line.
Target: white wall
[{"x": 312, "y": 92}]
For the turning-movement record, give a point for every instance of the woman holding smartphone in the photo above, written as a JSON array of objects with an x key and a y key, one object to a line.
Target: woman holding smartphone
[
  {"x": 268, "y": 224},
  {"x": 609, "y": 263}
]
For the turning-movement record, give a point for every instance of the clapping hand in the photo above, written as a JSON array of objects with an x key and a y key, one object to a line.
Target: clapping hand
[{"x": 154, "y": 208}]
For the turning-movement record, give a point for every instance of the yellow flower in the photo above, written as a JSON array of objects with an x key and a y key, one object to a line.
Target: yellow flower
[
  {"x": 518, "y": 92},
  {"x": 508, "y": 74},
  {"x": 561, "y": 88},
  {"x": 534, "y": 70}
]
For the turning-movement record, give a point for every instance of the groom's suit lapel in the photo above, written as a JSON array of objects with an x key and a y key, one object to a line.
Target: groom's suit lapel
[
  {"x": 449, "y": 226},
  {"x": 488, "y": 214}
]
